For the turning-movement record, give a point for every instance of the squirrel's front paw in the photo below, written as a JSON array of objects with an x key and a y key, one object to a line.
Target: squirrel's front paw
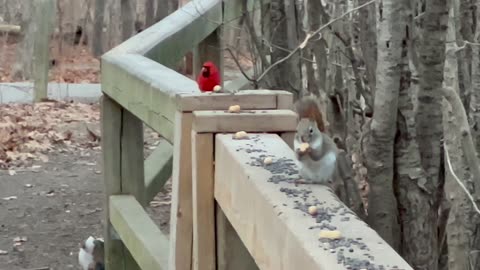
[{"x": 299, "y": 154}]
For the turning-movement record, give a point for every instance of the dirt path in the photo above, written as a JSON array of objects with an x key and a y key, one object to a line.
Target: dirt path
[
  {"x": 51, "y": 186},
  {"x": 57, "y": 206}
]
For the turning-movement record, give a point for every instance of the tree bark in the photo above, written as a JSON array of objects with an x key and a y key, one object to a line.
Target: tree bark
[
  {"x": 475, "y": 97},
  {"x": 149, "y": 13},
  {"x": 128, "y": 18},
  {"x": 418, "y": 225},
  {"x": 379, "y": 155},
  {"x": 22, "y": 69},
  {"x": 432, "y": 27},
  {"x": 368, "y": 41},
  {"x": 283, "y": 21},
  {"x": 459, "y": 227},
  {"x": 98, "y": 37}
]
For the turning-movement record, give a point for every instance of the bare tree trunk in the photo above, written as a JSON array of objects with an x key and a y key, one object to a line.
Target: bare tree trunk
[
  {"x": 283, "y": 22},
  {"x": 368, "y": 41},
  {"x": 464, "y": 11},
  {"x": 149, "y": 13},
  {"x": 22, "y": 69},
  {"x": 98, "y": 37},
  {"x": 379, "y": 156},
  {"x": 459, "y": 228},
  {"x": 475, "y": 98},
  {"x": 128, "y": 12},
  {"x": 418, "y": 229}
]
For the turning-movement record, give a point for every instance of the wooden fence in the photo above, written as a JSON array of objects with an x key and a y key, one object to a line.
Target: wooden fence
[{"x": 229, "y": 211}]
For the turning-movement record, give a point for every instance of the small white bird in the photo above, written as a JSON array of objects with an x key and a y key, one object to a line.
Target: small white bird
[{"x": 86, "y": 255}]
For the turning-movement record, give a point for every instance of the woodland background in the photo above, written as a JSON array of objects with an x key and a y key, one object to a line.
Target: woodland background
[{"x": 399, "y": 81}]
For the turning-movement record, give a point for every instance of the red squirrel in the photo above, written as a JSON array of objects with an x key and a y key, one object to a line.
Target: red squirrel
[{"x": 315, "y": 150}]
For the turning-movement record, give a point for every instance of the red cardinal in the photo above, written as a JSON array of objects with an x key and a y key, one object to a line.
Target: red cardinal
[{"x": 209, "y": 77}]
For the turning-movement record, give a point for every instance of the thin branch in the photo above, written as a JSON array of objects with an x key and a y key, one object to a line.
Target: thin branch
[
  {"x": 308, "y": 37},
  {"x": 459, "y": 181},
  {"x": 239, "y": 66}
]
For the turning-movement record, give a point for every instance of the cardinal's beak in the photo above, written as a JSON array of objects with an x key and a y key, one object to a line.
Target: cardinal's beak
[{"x": 204, "y": 69}]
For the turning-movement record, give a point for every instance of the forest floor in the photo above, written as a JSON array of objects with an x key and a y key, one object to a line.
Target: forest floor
[{"x": 51, "y": 187}]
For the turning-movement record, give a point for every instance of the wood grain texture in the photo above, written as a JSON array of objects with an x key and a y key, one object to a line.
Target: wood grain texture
[
  {"x": 148, "y": 245},
  {"x": 247, "y": 99},
  {"x": 259, "y": 121},
  {"x": 204, "y": 257},
  {"x": 116, "y": 255},
  {"x": 231, "y": 252},
  {"x": 275, "y": 232},
  {"x": 158, "y": 169},
  {"x": 133, "y": 180},
  {"x": 181, "y": 213}
]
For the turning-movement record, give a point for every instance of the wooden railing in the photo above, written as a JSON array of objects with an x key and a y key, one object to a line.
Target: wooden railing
[{"x": 224, "y": 216}]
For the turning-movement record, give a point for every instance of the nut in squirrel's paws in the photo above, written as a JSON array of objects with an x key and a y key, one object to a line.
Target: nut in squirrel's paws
[{"x": 304, "y": 147}]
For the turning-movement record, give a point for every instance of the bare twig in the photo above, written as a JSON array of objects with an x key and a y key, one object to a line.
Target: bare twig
[
  {"x": 459, "y": 181},
  {"x": 308, "y": 37}
]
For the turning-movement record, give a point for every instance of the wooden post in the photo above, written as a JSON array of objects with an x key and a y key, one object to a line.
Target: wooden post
[
  {"x": 116, "y": 255},
  {"x": 231, "y": 252},
  {"x": 181, "y": 213},
  {"x": 210, "y": 49},
  {"x": 44, "y": 12},
  {"x": 204, "y": 257},
  {"x": 133, "y": 180}
]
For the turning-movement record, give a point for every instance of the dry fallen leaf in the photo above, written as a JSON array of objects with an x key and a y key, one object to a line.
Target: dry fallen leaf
[{"x": 9, "y": 198}]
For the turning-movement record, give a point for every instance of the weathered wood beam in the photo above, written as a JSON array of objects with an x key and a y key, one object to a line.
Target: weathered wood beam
[
  {"x": 231, "y": 252},
  {"x": 181, "y": 213},
  {"x": 171, "y": 38},
  {"x": 204, "y": 256},
  {"x": 147, "y": 244},
  {"x": 10, "y": 28},
  {"x": 146, "y": 89},
  {"x": 116, "y": 255},
  {"x": 258, "y": 120},
  {"x": 274, "y": 225},
  {"x": 132, "y": 164},
  {"x": 247, "y": 99},
  {"x": 158, "y": 169}
]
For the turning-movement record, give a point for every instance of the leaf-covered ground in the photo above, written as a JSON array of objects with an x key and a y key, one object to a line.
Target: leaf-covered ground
[{"x": 51, "y": 189}]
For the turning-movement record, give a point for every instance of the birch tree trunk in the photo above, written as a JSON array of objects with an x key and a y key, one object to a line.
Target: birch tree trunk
[
  {"x": 368, "y": 41},
  {"x": 418, "y": 231},
  {"x": 475, "y": 98},
  {"x": 432, "y": 26},
  {"x": 379, "y": 155}
]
